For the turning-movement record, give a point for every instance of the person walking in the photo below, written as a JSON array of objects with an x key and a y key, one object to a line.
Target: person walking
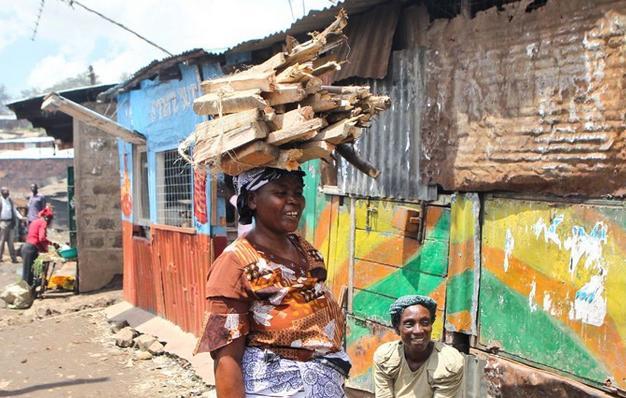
[
  {"x": 36, "y": 203},
  {"x": 8, "y": 219},
  {"x": 36, "y": 242},
  {"x": 273, "y": 328}
]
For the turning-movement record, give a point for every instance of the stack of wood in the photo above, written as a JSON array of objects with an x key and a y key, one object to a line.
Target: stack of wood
[{"x": 280, "y": 114}]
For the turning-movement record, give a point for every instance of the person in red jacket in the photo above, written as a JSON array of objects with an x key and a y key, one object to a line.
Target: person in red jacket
[{"x": 36, "y": 242}]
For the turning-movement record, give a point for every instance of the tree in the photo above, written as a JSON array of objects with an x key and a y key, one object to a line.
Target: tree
[
  {"x": 87, "y": 78},
  {"x": 4, "y": 99}
]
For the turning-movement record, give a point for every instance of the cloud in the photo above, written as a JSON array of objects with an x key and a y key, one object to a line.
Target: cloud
[{"x": 79, "y": 38}]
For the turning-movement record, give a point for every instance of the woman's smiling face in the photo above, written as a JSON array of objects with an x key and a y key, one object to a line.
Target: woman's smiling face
[{"x": 278, "y": 205}]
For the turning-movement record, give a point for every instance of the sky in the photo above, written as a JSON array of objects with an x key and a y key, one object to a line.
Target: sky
[{"x": 69, "y": 39}]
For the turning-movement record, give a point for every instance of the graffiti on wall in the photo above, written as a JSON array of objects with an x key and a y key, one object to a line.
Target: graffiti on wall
[
  {"x": 388, "y": 263},
  {"x": 552, "y": 286}
]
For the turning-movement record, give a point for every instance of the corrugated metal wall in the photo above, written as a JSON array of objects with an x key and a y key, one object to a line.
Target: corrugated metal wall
[{"x": 393, "y": 142}]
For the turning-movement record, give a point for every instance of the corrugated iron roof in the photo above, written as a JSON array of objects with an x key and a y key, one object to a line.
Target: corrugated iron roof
[
  {"x": 315, "y": 20},
  {"x": 393, "y": 143}
]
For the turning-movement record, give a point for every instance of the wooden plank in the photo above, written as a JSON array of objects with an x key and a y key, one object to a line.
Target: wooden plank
[
  {"x": 298, "y": 132},
  {"x": 293, "y": 117},
  {"x": 295, "y": 73},
  {"x": 55, "y": 102},
  {"x": 320, "y": 102},
  {"x": 285, "y": 94},
  {"x": 287, "y": 159},
  {"x": 219, "y": 125},
  {"x": 248, "y": 157},
  {"x": 338, "y": 132},
  {"x": 273, "y": 63},
  {"x": 206, "y": 149},
  {"x": 264, "y": 81},
  {"x": 212, "y": 104},
  {"x": 316, "y": 150}
]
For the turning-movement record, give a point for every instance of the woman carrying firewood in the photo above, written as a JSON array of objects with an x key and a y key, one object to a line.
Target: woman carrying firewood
[{"x": 273, "y": 329}]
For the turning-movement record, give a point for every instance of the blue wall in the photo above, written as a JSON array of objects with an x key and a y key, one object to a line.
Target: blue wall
[{"x": 163, "y": 113}]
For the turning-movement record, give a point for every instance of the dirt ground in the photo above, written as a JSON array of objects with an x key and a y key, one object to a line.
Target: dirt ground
[{"x": 63, "y": 347}]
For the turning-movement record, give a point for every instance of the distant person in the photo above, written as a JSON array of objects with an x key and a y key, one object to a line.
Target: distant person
[
  {"x": 36, "y": 203},
  {"x": 415, "y": 366},
  {"x": 36, "y": 242},
  {"x": 8, "y": 219}
]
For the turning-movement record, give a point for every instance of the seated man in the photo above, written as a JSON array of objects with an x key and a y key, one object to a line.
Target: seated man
[{"x": 415, "y": 366}]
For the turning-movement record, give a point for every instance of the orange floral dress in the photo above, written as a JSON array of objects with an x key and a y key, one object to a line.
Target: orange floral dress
[{"x": 275, "y": 303}]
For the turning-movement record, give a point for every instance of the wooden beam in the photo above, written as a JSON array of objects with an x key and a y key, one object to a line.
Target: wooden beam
[
  {"x": 285, "y": 94},
  {"x": 212, "y": 104},
  {"x": 264, "y": 81},
  {"x": 299, "y": 132},
  {"x": 55, "y": 102},
  {"x": 248, "y": 157},
  {"x": 316, "y": 150},
  {"x": 211, "y": 148},
  {"x": 219, "y": 125}
]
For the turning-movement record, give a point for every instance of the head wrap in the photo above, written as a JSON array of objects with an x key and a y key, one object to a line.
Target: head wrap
[
  {"x": 46, "y": 212},
  {"x": 252, "y": 180},
  {"x": 396, "y": 309}
]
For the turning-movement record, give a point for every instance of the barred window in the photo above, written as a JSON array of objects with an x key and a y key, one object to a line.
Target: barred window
[{"x": 174, "y": 190}]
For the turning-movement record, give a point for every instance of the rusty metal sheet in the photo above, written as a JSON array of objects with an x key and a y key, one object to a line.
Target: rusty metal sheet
[
  {"x": 316, "y": 20},
  {"x": 393, "y": 142},
  {"x": 370, "y": 36}
]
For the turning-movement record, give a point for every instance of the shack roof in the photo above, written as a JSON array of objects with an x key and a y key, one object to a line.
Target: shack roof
[{"x": 57, "y": 125}]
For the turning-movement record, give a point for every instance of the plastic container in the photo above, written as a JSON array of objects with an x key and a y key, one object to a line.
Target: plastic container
[{"x": 67, "y": 254}]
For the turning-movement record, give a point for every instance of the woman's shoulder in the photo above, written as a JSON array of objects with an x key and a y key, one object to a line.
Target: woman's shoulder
[
  {"x": 240, "y": 252},
  {"x": 448, "y": 364},
  {"x": 388, "y": 355}
]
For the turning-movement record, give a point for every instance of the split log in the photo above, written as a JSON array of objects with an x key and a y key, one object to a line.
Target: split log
[
  {"x": 311, "y": 49},
  {"x": 248, "y": 157},
  {"x": 357, "y": 90},
  {"x": 299, "y": 132},
  {"x": 338, "y": 132},
  {"x": 209, "y": 104},
  {"x": 288, "y": 159},
  {"x": 273, "y": 63},
  {"x": 313, "y": 85},
  {"x": 211, "y": 148},
  {"x": 327, "y": 67},
  {"x": 316, "y": 150},
  {"x": 285, "y": 94},
  {"x": 217, "y": 126},
  {"x": 348, "y": 152},
  {"x": 292, "y": 118},
  {"x": 295, "y": 73},
  {"x": 320, "y": 102},
  {"x": 264, "y": 81},
  {"x": 375, "y": 104}
]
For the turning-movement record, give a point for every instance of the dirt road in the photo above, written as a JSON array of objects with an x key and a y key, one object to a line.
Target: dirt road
[{"x": 63, "y": 347}]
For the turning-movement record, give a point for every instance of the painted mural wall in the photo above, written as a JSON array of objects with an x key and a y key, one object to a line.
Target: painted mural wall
[
  {"x": 369, "y": 253},
  {"x": 552, "y": 286}
]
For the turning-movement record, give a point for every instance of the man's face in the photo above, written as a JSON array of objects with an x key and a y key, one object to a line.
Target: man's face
[
  {"x": 34, "y": 188},
  {"x": 4, "y": 192},
  {"x": 416, "y": 327}
]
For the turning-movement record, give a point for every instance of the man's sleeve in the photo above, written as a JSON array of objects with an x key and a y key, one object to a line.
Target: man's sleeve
[{"x": 383, "y": 383}]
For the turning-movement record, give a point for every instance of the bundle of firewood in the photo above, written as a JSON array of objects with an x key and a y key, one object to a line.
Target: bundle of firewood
[{"x": 280, "y": 114}]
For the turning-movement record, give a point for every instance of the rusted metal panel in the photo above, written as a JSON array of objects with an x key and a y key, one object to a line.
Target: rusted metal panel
[
  {"x": 552, "y": 286},
  {"x": 464, "y": 264},
  {"x": 184, "y": 260},
  {"x": 528, "y": 101},
  {"x": 147, "y": 281},
  {"x": 502, "y": 378},
  {"x": 316, "y": 20},
  {"x": 129, "y": 285},
  {"x": 370, "y": 37},
  {"x": 393, "y": 142}
]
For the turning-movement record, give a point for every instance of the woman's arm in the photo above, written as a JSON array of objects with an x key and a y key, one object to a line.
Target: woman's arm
[{"x": 228, "y": 374}]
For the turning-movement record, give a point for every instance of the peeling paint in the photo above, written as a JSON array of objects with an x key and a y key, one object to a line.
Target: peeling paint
[
  {"x": 590, "y": 304},
  {"x": 581, "y": 243},
  {"x": 531, "y": 297},
  {"x": 549, "y": 233},
  {"x": 547, "y": 302},
  {"x": 509, "y": 244}
]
